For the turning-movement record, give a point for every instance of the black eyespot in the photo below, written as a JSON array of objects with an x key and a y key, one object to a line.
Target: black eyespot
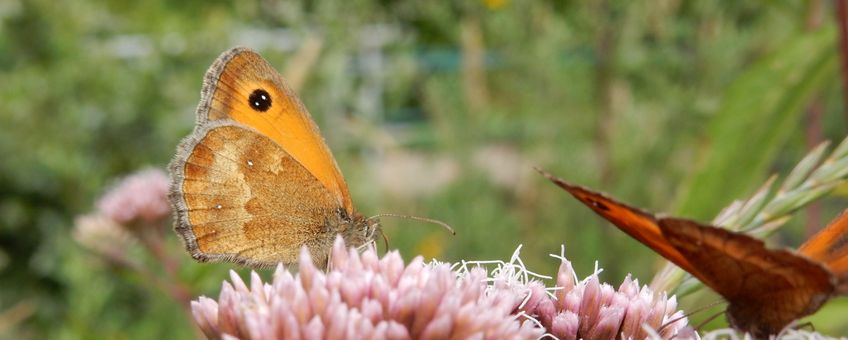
[
  {"x": 600, "y": 205},
  {"x": 260, "y": 100}
]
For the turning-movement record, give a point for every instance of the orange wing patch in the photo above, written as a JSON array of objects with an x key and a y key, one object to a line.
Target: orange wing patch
[
  {"x": 242, "y": 86},
  {"x": 830, "y": 247}
]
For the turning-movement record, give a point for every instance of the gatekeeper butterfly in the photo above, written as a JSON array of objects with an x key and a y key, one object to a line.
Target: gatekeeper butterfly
[
  {"x": 766, "y": 289},
  {"x": 255, "y": 181}
]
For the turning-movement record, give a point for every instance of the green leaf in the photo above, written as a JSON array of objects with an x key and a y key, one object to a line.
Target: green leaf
[
  {"x": 841, "y": 150},
  {"x": 831, "y": 171},
  {"x": 758, "y": 113},
  {"x": 753, "y": 206},
  {"x": 804, "y": 168}
]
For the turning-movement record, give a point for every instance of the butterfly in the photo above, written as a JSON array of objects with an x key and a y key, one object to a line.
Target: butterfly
[
  {"x": 255, "y": 181},
  {"x": 766, "y": 289}
]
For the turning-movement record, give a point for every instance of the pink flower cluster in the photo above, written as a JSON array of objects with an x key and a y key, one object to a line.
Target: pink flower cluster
[
  {"x": 594, "y": 310},
  {"x": 363, "y": 296},
  {"x": 140, "y": 197},
  {"x": 101, "y": 235}
]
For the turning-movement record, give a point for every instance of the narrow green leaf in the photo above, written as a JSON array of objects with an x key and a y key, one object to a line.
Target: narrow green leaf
[
  {"x": 758, "y": 113},
  {"x": 753, "y": 206},
  {"x": 841, "y": 150},
  {"x": 804, "y": 168},
  {"x": 728, "y": 213},
  {"x": 830, "y": 171}
]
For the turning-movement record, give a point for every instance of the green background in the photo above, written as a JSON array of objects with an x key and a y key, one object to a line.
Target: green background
[{"x": 433, "y": 108}]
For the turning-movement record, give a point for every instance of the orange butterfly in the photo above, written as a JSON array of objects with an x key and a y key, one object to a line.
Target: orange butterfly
[
  {"x": 766, "y": 288},
  {"x": 255, "y": 181}
]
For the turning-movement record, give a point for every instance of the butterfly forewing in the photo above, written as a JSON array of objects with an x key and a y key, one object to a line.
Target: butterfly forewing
[
  {"x": 243, "y": 87},
  {"x": 638, "y": 224},
  {"x": 766, "y": 288},
  {"x": 239, "y": 198}
]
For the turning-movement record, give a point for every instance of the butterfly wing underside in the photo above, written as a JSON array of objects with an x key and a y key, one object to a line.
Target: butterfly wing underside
[
  {"x": 638, "y": 224},
  {"x": 226, "y": 95},
  {"x": 766, "y": 288},
  {"x": 240, "y": 198},
  {"x": 830, "y": 247}
]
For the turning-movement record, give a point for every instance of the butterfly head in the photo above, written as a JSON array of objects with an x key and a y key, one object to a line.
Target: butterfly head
[{"x": 356, "y": 229}]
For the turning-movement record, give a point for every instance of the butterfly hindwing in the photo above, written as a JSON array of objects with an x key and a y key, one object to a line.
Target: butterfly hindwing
[
  {"x": 766, "y": 288},
  {"x": 238, "y": 197}
]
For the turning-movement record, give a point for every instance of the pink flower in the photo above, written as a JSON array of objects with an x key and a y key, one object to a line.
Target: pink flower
[
  {"x": 629, "y": 312},
  {"x": 589, "y": 309},
  {"x": 100, "y": 235},
  {"x": 142, "y": 196},
  {"x": 363, "y": 296}
]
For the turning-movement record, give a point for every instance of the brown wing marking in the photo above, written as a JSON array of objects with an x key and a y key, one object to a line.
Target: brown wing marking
[
  {"x": 637, "y": 223},
  {"x": 766, "y": 289},
  {"x": 240, "y": 197}
]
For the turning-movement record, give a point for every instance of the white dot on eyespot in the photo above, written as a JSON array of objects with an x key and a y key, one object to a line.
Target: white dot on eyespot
[
  {"x": 249, "y": 163},
  {"x": 218, "y": 206}
]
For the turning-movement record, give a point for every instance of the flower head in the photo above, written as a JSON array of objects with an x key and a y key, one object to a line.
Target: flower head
[
  {"x": 100, "y": 234},
  {"x": 142, "y": 196},
  {"x": 364, "y": 296},
  {"x": 588, "y": 308}
]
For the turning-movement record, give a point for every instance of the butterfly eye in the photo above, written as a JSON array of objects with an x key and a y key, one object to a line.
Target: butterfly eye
[{"x": 260, "y": 100}]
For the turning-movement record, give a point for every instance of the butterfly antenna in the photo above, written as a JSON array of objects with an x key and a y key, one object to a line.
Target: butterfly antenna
[
  {"x": 701, "y": 309},
  {"x": 416, "y": 218}
]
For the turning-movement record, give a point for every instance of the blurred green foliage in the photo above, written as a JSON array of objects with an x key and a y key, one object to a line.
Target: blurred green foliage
[{"x": 667, "y": 104}]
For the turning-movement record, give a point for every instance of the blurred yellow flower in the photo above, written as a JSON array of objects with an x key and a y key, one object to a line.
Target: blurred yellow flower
[
  {"x": 431, "y": 246},
  {"x": 495, "y": 4}
]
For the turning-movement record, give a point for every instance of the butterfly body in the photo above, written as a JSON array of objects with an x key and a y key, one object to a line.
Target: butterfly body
[
  {"x": 255, "y": 181},
  {"x": 766, "y": 289}
]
